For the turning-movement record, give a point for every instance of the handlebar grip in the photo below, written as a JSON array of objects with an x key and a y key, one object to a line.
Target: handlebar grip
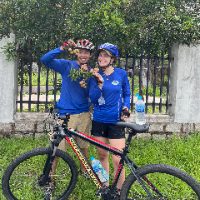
[{"x": 125, "y": 112}]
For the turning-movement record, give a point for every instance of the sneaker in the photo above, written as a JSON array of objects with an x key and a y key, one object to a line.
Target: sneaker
[{"x": 84, "y": 174}]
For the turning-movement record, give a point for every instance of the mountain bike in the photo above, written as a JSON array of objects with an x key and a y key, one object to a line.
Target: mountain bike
[{"x": 29, "y": 175}]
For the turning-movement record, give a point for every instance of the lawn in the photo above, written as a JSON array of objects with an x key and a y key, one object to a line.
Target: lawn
[{"x": 183, "y": 153}]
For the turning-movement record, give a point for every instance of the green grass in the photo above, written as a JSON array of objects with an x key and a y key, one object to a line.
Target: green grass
[
  {"x": 43, "y": 77},
  {"x": 42, "y": 109},
  {"x": 183, "y": 153},
  {"x": 150, "y": 88},
  {"x": 34, "y": 108}
]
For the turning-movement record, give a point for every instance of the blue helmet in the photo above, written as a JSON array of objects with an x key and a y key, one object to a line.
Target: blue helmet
[{"x": 110, "y": 47}]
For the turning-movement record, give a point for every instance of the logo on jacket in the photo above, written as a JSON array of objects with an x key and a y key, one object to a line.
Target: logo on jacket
[{"x": 115, "y": 82}]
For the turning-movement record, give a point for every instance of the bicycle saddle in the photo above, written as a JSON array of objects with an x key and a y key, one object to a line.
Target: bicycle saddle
[{"x": 135, "y": 127}]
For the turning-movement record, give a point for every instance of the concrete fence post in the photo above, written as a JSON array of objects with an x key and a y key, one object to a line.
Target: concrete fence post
[
  {"x": 185, "y": 84},
  {"x": 8, "y": 84}
]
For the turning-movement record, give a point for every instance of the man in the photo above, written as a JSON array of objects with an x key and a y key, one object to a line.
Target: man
[{"x": 74, "y": 99}]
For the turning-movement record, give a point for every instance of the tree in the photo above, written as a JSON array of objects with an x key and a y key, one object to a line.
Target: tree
[
  {"x": 128, "y": 24},
  {"x": 162, "y": 23}
]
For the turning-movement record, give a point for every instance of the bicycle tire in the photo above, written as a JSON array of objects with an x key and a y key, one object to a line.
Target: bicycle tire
[
  {"x": 171, "y": 182},
  {"x": 21, "y": 177}
]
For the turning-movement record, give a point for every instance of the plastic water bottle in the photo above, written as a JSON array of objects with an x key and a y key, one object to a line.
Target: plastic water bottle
[
  {"x": 140, "y": 111},
  {"x": 100, "y": 171}
]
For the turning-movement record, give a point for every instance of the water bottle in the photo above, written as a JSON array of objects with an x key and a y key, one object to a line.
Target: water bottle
[
  {"x": 100, "y": 171},
  {"x": 140, "y": 111}
]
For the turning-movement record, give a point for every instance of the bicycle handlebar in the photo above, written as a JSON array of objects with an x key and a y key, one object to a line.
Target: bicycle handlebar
[{"x": 135, "y": 127}]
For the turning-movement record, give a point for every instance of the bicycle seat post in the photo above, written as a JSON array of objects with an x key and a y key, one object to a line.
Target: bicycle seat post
[
  {"x": 130, "y": 135},
  {"x": 67, "y": 119}
]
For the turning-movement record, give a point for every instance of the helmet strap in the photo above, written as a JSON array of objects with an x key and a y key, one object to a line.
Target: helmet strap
[
  {"x": 110, "y": 63},
  {"x": 103, "y": 68}
]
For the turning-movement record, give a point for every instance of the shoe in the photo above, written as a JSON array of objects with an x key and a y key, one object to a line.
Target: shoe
[
  {"x": 48, "y": 191},
  {"x": 84, "y": 174}
]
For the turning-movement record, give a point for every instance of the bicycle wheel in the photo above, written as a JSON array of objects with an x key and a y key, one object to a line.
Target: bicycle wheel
[
  {"x": 172, "y": 183},
  {"x": 21, "y": 178}
]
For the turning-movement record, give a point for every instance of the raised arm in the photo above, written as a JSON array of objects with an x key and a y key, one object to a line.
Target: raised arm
[{"x": 56, "y": 64}]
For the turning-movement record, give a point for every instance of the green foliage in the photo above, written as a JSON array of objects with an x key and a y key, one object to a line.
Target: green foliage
[
  {"x": 128, "y": 24},
  {"x": 79, "y": 73},
  {"x": 162, "y": 23},
  {"x": 10, "y": 51}
]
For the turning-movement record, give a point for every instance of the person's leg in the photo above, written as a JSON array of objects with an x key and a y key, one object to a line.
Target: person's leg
[
  {"x": 63, "y": 145},
  {"x": 85, "y": 151},
  {"x": 84, "y": 124},
  {"x": 103, "y": 155},
  {"x": 99, "y": 131},
  {"x": 119, "y": 144}
]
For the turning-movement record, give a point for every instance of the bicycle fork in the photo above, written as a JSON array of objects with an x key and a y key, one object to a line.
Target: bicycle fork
[{"x": 48, "y": 165}]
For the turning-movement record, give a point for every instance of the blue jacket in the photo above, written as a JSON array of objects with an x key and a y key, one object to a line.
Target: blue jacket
[
  {"x": 115, "y": 92},
  {"x": 73, "y": 98}
]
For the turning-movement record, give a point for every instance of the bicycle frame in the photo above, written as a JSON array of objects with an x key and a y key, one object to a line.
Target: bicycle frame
[
  {"x": 85, "y": 161},
  {"x": 67, "y": 134},
  {"x": 111, "y": 149}
]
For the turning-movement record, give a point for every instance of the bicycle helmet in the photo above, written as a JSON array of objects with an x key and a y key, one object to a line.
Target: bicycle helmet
[
  {"x": 109, "y": 47},
  {"x": 84, "y": 44}
]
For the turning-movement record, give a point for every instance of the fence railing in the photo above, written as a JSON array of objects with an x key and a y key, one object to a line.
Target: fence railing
[{"x": 149, "y": 76}]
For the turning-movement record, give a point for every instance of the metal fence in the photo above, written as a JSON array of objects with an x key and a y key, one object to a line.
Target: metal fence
[{"x": 148, "y": 75}]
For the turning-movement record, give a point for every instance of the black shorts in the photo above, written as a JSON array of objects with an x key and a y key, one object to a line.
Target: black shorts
[{"x": 110, "y": 131}]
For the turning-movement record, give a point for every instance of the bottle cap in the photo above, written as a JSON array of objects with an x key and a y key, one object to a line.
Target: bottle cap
[
  {"x": 139, "y": 97},
  {"x": 92, "y": 158}
]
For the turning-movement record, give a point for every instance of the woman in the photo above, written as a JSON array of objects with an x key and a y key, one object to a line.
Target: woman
[{"x": 110, "y": 94}]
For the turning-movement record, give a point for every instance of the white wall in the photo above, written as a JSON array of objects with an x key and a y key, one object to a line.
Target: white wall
[
  {"x": 8, "y": 84},
  {"x": 185, "y": 84}
]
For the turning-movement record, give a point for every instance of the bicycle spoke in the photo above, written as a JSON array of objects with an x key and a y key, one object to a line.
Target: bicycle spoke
[
  {"x": 24, "y": 181},
  {"x": 171, "y": 188}
]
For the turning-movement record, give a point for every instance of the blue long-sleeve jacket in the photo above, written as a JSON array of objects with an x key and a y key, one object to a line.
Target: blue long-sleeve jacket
[
  {"x": 115, "y": 92},
  {"x": 73, "y": 98}
]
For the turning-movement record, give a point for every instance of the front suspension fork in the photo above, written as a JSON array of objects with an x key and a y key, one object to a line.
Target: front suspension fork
[{"x": 45, "y": 178}]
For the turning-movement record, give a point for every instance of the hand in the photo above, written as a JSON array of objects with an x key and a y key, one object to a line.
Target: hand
[
  {"x": 125, "y": 113},
  {"x": 98, "y": 77},
  {"x": 67, "y": 44},
  {"x": 85, "y": 67}
]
